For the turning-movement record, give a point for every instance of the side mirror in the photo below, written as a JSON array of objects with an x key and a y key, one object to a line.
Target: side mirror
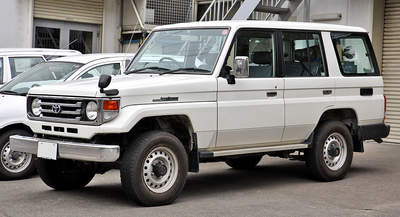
[
  {"x": 241, "y": 67},
  {"x": 104, "y": 81}
]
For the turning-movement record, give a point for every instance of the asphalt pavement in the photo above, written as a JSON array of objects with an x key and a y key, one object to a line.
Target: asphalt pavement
[{"x": 276, "y": 187}]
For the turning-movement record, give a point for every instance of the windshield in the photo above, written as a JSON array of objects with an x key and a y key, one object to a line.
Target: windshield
[
  {"x": 44, "y": 73},
  {"x": 179, "y": 51}
]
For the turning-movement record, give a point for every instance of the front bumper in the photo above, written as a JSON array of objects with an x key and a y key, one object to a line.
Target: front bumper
[{"x": 65, "y": 149}]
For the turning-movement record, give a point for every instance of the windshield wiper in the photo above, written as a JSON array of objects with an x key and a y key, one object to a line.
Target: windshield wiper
[
  {"x": 10, "y": 92},
  {"x": 183, "y": 69},
  {"x": 138, "y": 70}
]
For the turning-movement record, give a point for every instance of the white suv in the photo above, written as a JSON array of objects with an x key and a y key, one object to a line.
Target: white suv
[
  {"x": 13, "y": 61},
  {"x": 212, "y": 91},
  {"x": 16, "y": 165}
]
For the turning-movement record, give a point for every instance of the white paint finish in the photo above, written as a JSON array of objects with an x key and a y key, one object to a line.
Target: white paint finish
[
  {"x": 246, "y": 115},
  {"x": 305, "y": 102}
]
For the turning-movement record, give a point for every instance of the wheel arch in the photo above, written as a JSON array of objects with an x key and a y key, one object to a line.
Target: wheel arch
[
  {"x": 349, "y": 118},
  {"x": 18, "y": 126}
]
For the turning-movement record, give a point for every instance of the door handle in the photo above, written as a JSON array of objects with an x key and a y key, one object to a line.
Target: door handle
[
  {"x": 327, "y": 92},
  {"x": 271, "y": 94}
]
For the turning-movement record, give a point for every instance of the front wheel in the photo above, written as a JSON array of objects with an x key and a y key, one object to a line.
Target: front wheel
[
  {"x": 154, "y": 169},
  {"x": 332, "y": 153},
  {"x": 14, "y": 165},
  {"x": 62, "y": 174}
]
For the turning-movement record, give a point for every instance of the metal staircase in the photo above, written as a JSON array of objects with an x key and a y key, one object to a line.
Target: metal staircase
[{"x": 250, "y": 10}]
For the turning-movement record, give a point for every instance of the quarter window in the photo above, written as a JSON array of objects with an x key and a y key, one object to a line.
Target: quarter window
[{"x": 354, "y": 54}]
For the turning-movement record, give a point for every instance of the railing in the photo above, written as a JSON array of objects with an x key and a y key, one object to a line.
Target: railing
[
  {"x": 218, "y": 10},
  {"x": 224, "y": 9}
]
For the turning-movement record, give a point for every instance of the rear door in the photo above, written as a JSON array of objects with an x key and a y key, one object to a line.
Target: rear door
[{"x": 309, "y": 90}]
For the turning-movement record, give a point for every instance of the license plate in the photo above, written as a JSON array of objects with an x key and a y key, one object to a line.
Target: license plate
[{"x": 47, "y": 150}]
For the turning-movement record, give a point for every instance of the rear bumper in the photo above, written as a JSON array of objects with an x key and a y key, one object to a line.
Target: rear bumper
[
  {"x": 66, "y": 149},
  {"x": 374, "y": 131}
]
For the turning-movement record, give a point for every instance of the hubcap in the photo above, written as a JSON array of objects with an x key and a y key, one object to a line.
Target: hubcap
[
  {"x": 335, "y": 151},
  {"x": 14, "y": 162},
  {"x": 160, "y": 169}
]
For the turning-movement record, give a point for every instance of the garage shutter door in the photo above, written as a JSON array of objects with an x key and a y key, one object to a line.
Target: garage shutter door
[
  {"x": 85, "y": 11},
  {"x": 391, "y": 67}
]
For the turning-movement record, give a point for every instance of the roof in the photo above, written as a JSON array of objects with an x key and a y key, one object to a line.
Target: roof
[
  {"x": 86, "y": 58},
  {"x": 45, "y": 51},
  {"x": 266, "y": 24}
]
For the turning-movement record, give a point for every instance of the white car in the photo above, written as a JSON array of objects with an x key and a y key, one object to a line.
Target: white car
[
  {"x": 14, "y": 61},
  {"x": 304, "y": 91},
  {"x": 16, "y": 165}
]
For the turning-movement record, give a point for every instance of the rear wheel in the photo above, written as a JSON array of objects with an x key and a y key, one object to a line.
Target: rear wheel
[
  {"x": 62, "y": 174},
  {"x": 14, "y": 165},
  {"x": 243, "y": 163},
  {"x": 154, "y": 169},
  {"x": 332, "y": 153}
]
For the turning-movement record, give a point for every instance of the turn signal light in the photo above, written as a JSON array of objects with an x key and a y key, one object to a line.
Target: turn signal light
[{"x": 110, "y": 105}]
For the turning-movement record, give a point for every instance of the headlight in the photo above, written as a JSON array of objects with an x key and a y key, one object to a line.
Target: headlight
[
  {"x": 36, "y": 108},
  {"x": 91, "y": 110}
]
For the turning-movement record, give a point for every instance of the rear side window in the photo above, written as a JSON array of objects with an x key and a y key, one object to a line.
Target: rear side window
[
  {"x": 1, "y": 70},
  {"x": 355, "y": 54},
  {"x": 20, "y": 64},
  {"x": 303, "y": 54}
]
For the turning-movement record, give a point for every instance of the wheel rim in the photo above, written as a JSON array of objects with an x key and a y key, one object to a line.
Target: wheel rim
[
  {"x": 13, "y": 161},
  {"x": 160, "y": 169},
  {"x": 335, "y": 151}
]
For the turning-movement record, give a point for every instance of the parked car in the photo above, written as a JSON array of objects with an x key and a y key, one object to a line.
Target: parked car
[
  {"x": 16, "y": 165},
  {"x": 13, "y": 61},
  {"x": 229, "y": 91}
]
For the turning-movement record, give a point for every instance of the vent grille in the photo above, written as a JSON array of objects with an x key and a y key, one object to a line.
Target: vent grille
[
  {"x": 62, "y": 109},
  {"x": 168, "y": 11}
]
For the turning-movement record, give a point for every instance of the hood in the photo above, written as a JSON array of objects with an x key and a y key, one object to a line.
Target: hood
[{"x": 144, "y": 88}]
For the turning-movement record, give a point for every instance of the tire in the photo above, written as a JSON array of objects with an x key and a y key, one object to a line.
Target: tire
[
  {"x": 14, "y": 165},
  {"x": 154, "y": 169},
  {"x": 243, "y": 163},
  {"x": 332, "y": 153},
  {"x": 62, "y": 174}
]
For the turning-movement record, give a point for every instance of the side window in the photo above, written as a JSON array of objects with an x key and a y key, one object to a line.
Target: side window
[
  {"x": 258, "y": 46},
  {"x": 1, "y": 70},
  {"x": 109, "y": 69},
  {"x": 303, "y": 54},
  {"x": 20, "y": 64},
  {"x": 354, "y": 53}
]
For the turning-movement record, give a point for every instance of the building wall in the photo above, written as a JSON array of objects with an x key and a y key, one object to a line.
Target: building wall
[
  {"x": 368, "y": 14},
  {"x": 16, "y": 23},
  {"x": 111, "y": 31}
]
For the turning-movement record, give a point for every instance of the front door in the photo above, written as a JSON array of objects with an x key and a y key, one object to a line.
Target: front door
[{"x": 251, "y": 111}]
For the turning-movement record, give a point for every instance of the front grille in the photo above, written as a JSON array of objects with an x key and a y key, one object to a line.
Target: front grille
[
  {"x": 66, "y": 109},
  {"x": 62, "y": 109}
]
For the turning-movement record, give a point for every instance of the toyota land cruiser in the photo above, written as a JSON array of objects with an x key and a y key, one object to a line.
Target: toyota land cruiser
[{"x": 212, "y": 91}]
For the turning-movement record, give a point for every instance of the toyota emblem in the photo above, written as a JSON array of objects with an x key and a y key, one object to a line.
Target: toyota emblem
[{"x": 56, "y": 108}]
